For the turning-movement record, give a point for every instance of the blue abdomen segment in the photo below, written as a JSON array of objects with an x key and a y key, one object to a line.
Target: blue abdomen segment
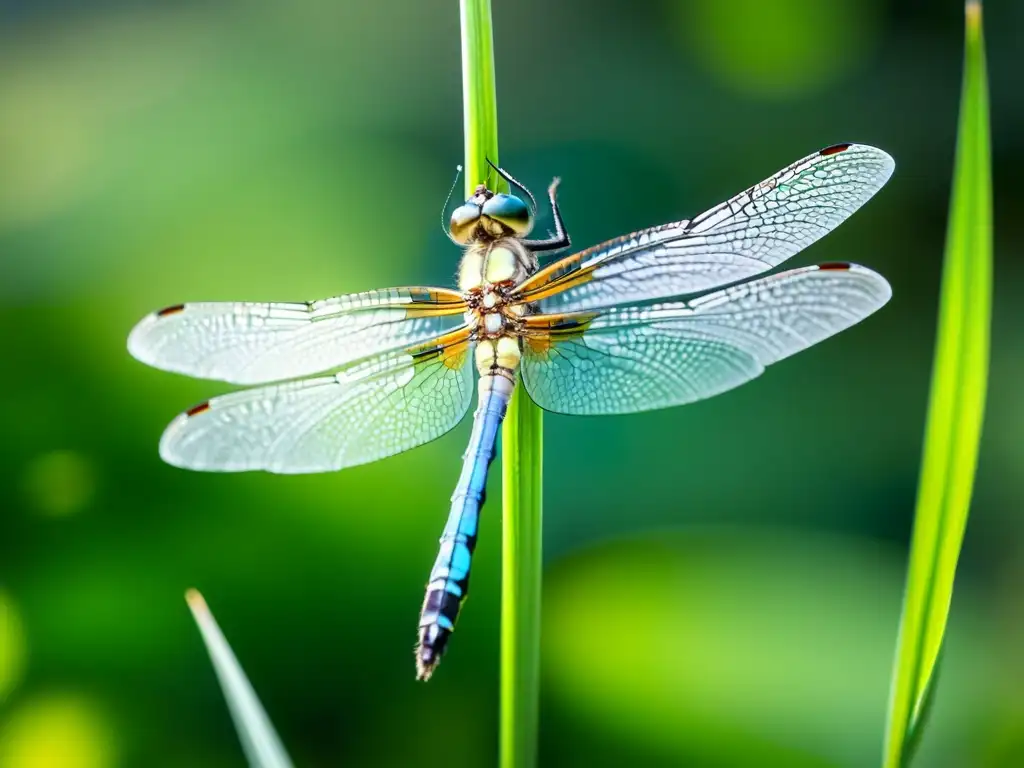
[{"x": 449, "y": 578}]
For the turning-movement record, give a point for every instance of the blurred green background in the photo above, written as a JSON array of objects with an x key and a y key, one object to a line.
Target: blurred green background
[{"x": 723, "y": 581}]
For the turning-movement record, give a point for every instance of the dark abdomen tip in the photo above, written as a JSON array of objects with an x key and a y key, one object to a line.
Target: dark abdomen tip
[{"x": 429, "y": 650}]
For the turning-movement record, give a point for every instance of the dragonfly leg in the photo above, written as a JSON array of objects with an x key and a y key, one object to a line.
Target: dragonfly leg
[{"x": 561, "y": 237}]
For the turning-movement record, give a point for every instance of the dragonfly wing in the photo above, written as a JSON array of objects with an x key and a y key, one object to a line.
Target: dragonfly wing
[
  {"x": 643, "y": 357},
  {"x": 753, "y": 232},
  {"x": 253, "y": 343},
  {"x": 366, "y": 412}
]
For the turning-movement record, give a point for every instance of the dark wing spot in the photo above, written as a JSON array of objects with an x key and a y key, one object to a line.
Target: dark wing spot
[
  {"x": 836, "y": 266},
  {"x": 197, "y": 409},
  {"x": 171, "y": 310},
  {"x": 425, "y": 354},
  {"x": 835, "y": 149}
]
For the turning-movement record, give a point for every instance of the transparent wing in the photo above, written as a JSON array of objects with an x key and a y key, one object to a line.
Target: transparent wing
[
  {"x": 749, "y": 234},
  {"x": 253, "y": 343},
  {"x": 371, "y": 410},
  {"x": 638, "y": 358}
]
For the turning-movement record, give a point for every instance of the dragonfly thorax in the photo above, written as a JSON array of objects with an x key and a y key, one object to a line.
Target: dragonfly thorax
[
  {"x": 505, "y": 261},
  {"x": 487, "y": 276}
]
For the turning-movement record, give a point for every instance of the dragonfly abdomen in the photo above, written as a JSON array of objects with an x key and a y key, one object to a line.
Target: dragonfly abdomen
[{"x": 449, "y": 578}]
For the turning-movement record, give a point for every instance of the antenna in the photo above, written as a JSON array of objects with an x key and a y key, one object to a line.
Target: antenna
[
  {"x": 444, "y": 208},
  {"x": 511, "y": 180}
]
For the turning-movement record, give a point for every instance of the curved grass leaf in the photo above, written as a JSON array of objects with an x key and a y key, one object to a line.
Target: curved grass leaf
[
  {"x": 955, "y": 411},
  {"x": 262, "y": 746}
]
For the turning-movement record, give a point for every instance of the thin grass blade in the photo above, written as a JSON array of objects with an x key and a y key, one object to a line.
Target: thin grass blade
[
  {"x": 955, "y": 412},
  {"x": 259, "y": 739},
  {"x": 480, "y": 106},
  {"x": 522, "y": 567},
  {"x": 521, "y": 443}
]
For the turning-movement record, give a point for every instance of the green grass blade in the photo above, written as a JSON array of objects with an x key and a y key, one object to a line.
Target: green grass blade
[
  {"x": 262, "y": 747},
  {"x": 913, "y": 738},
  {"x": 521, "y": 441},
  {"x": 521, "y": 582},
  {"x": 955, "y": 410},
  {"x": 480, "y": 106}
]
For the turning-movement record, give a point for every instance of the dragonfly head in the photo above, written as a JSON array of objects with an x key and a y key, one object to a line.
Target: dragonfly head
[{"x": 488, "y": 215}]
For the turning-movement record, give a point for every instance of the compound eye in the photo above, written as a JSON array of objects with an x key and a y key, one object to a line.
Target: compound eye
[
  {"x": 511, "y": 212},
  {"x": 464, "y": 222}
]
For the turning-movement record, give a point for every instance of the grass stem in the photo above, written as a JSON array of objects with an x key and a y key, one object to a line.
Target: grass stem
[{"x": 521, "y": 442}]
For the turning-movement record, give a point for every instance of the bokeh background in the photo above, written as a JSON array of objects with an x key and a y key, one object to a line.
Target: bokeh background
[{"x": 723, "y": 580}]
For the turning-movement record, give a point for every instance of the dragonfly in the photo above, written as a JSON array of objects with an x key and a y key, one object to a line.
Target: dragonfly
[{"x": 657, "y": 318}]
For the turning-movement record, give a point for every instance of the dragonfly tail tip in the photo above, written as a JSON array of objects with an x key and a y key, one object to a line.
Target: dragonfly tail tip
[
  {"x": 427, "y": 659},
  {"x": 424, "y": 670}
]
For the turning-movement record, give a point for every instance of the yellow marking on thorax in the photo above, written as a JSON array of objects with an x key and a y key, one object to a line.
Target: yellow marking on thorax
[
  {"x": 492, "y": 263},
  {"x": 471, "y": 270},
  {"x": 501, "y": 265}
]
